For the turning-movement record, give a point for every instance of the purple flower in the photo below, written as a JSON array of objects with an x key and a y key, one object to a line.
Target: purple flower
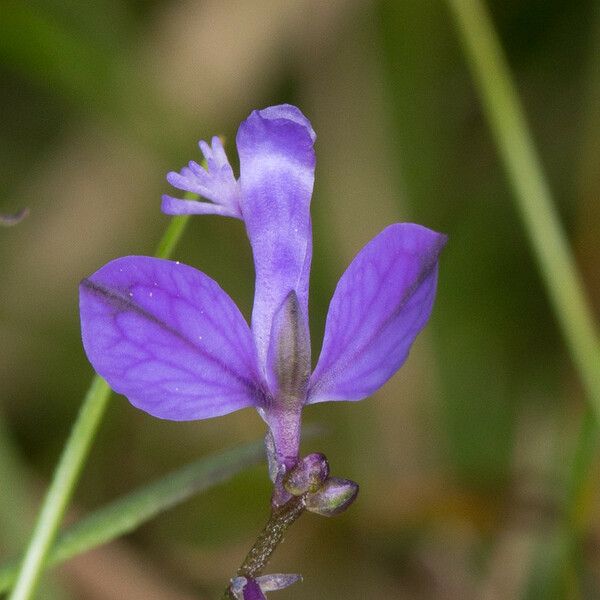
[{"x": 170, "y": 339}]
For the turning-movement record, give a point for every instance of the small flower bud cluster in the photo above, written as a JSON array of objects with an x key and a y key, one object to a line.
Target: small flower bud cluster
[{"x": 324, "y": 495}]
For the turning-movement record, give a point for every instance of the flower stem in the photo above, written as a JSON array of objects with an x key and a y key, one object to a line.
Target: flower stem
[
  {"x": 507, "y": 121},
  {"x": 555, "y": 260},
  {"x": 61, "y": 489},
  {"x": 72, "y": 460},
  {"x": 269, "y": 538},
  {"x": 173, "y": 234}
]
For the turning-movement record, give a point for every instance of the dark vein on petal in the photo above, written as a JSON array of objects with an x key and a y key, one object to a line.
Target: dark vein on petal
[
  {"x": 340, "y": 363},
  {"x": 124, "y": 303}
]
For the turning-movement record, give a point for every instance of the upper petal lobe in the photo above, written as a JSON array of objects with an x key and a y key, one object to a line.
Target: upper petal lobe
[
  {"x": 277, "y": 164},
  {"x": 169, "y": 338},
  {"x": 380, "y": 304}
]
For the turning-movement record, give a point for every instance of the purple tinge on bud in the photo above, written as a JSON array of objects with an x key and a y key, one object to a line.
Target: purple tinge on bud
[
  {"x": 308, "y": 475},
  {"x": 254, "y": 589},
  {"x": 334, "y": 497}
]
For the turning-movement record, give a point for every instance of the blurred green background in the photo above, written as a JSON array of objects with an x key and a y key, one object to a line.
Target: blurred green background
[{"x": 461, "y": 457}]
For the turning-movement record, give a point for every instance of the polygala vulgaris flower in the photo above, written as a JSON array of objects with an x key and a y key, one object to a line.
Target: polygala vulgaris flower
[{"x": 170, "y": 339}]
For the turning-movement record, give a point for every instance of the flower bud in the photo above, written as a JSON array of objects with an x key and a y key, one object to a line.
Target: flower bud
[
  {"x": 277, "y": 581},
  {"x": 334, "y": 497},
  {"x": 308, "y": 475},
  {"x": 254, "y": 589},
  {"x": 246, "y": 589},
  {"x": 288, "y": 362}
]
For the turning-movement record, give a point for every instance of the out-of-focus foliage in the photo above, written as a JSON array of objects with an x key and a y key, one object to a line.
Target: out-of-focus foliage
[{"x": 461, "y": 456}]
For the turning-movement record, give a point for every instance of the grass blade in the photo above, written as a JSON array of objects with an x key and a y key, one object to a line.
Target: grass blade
[
  {"x": 126, "y": 514},
  {"x": 73, "y": 457}
]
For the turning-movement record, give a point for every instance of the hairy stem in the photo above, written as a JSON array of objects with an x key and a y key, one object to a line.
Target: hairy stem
[{"x": 269, "y": 538}]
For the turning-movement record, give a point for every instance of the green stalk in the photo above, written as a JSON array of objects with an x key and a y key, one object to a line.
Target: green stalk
[
  {"x": 73, "y": 458},
  {"x": 168, "y": 242},
  {"x": 281, "y": 519},
  {"x": 62, "y": 486},
  {"x": 126, "y": 514},
  {"x": 555, "y": 260},
  {"x": 13, "y": 528},
  {"x": 532, "y": 193}
]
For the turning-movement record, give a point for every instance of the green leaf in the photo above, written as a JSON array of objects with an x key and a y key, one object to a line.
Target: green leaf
[{"x": 126, "y": 514}]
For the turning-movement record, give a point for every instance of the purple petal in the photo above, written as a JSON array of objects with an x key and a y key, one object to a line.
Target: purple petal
[
  {"x": 288, "y": 112},
  {"x": 216, "y": 183},
  {"x": 277, "y": 164},
  {"x": 380, "y": 304},
  {"x": 169, "y": 338}
]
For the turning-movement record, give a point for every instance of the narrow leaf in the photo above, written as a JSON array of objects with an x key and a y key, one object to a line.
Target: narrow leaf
[{"x": 126, "y": 514}]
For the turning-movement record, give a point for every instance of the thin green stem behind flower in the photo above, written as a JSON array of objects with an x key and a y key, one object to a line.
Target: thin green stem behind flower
[
  {"x": 129, "y": 512},
  {"x": 532, "y": 194},
  {"x": 73, "y": 458}
]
